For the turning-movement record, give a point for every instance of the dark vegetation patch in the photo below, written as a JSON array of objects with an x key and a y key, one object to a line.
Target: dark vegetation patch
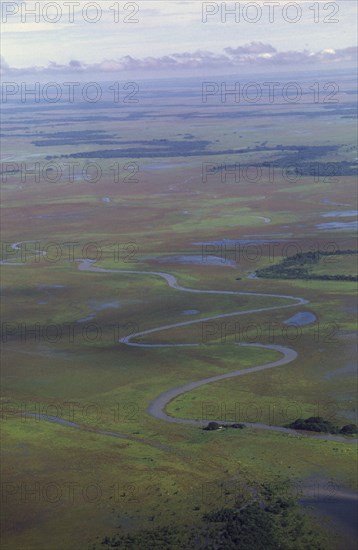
[
  {"x": 300, "y": 265},
  {"x": 160, "y": 148},
  {"x": 217, "y": 426},
  {"x": 270, "y": 520},
  {"x": 298, "y": 161},
  {"x": 319, "y": 424},
  {"x": 155, "y": 148}
]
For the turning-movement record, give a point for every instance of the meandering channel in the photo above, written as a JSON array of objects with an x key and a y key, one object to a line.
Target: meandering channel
[{"x": 157, "y": 407}]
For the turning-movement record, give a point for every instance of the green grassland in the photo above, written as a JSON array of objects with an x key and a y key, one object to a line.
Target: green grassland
[
  {"x": 138, "y": 482},
  {"x": 158, "y": 473}
]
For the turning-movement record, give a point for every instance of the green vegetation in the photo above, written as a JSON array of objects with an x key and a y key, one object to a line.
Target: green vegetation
[
  {"x": 267, "y": 522},
  {"x": 151, "y": 483}
]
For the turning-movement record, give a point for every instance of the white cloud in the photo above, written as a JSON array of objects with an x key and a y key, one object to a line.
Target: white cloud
[
  {"x": 167, "y": 26},
  {"x": 253, "y": 54}
]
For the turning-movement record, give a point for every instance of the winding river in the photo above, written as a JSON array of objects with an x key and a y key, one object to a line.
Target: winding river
[{"x": 157, "y": 407}]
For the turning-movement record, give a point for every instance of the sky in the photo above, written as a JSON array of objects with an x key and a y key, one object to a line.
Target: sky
[{"x": 167, "y": 36}]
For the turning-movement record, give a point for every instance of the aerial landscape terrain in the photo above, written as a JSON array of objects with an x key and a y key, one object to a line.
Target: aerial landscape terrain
[{"x": 179, "y": 274}]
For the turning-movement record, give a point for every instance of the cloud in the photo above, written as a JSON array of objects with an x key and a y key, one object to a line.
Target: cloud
[
  {"x": 253, "y": 48},
  {"x": 253, "y": 54}
]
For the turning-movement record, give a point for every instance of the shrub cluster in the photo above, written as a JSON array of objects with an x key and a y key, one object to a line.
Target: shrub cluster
[
  {"x": 300, "y": 266},
  {"x": 318, "y": 424}
]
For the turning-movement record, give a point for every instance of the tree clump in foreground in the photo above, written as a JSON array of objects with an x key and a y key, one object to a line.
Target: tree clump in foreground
[
  {"x": 319, "y": 424},
  {"x": 217, "y": 426},
  {"x": 270, "y": 521}
]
